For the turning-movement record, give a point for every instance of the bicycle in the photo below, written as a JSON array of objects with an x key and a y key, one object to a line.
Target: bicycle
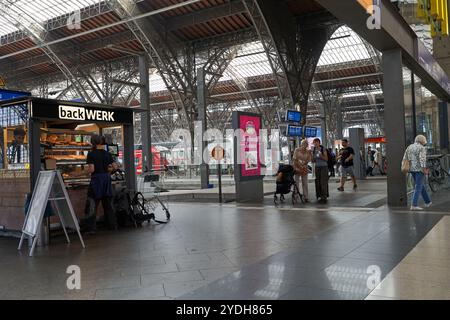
[{"x": 438, "y": 177}]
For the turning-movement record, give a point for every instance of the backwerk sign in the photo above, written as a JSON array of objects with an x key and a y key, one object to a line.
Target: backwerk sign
[{"x": 83, "y": 113}]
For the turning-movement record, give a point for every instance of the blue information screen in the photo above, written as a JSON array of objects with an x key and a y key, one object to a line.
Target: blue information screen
[
  {"x": 9, "y": 94},
  {"x": 294, "y": 131},
  {"x": 310, "y": 132},
  {"x": 293, "y": 116}
]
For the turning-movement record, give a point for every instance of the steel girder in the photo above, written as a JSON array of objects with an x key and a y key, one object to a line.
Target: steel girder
[
  {"x": 176, "y": 67},
  {"x": 31, "y": 80},
  {"x": 65, "y": 50},
  {"x": 59, "y": 22},
  {"x": 156, "y": 47},
  {"x": 292, "y": 51},
  {"x": 376, "y": 58},
  {"x": 38, "y": 33}
]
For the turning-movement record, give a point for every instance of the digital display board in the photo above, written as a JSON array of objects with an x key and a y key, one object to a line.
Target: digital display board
[
  {"x": 250, "y": 145},
  {"x": 113, "y": 149},
  {"x": 247, "y": 144},
  {"x": 293, "y": 116},
  {"x": 294, "y": 131},
  {"x": 310, "y": 132},
  {"x": 10, "y": 94}
]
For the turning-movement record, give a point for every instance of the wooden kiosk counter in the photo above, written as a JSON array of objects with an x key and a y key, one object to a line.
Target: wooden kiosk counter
[{"x": 42, "y": 134}]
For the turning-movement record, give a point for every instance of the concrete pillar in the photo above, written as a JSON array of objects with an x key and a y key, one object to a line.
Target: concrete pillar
[
  {"x": 128, "y": 156},
  {"x": 339, "y": 124},
  {"x": 201, "y": 107},
  {"x": 34, "y": 149},
  {"x": 323, "y": 124},
  {"x": 356, "y": 140},
  {"x": 145, "y": 116},
  {"x": 394, "y": 113}
]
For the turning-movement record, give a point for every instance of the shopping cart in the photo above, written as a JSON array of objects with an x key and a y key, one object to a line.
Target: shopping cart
[{"x": 148, "y": 199}]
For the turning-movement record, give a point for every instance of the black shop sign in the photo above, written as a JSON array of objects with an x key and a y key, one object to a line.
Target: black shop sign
[{"x": 81, "y": 113}]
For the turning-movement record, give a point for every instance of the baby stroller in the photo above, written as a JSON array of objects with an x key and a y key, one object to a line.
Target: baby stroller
[{"x": 286, "y": 183}]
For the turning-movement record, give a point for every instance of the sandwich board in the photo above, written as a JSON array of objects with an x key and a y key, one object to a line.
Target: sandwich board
[{"x": 49, "y": 187}]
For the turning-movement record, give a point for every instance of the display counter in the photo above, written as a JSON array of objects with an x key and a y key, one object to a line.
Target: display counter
[{"x": 57, "y": 136}]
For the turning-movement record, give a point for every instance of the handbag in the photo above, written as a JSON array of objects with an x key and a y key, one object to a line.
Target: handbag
[
  {"x": 406, "y": 164},
  {"x": 302, "y": 170}
]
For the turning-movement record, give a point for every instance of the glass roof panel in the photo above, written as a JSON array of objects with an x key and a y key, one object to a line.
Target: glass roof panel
[
  {"x": 39, "y": 11},
  {"x": 344, "y": 46}
]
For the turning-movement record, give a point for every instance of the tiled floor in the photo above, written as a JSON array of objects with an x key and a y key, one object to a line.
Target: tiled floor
[
  {"x": 209, "y": 251},
  {"x": 425, "y": 272}
]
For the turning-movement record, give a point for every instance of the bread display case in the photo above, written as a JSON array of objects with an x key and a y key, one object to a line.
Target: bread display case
[{"x": 66, "y": 150}]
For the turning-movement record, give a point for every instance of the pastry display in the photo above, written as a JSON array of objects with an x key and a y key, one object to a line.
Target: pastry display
[{"x": 69, "y": 151}]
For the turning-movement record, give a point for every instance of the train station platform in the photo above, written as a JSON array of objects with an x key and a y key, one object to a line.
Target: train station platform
[{"x": 354, "y": 247}]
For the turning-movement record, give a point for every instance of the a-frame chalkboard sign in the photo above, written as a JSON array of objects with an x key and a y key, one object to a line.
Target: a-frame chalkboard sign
[{"x": 49, "y": 187}]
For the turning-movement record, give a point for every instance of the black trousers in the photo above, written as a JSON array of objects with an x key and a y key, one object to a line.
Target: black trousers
[
  {"x": 321, "y": 182},
  {"x": 90, "y": 211},
  {"x": 331, "y": 170}
]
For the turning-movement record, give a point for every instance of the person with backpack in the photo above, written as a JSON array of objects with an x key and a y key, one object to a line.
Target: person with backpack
[
  {"x": 346, "y": 158},
  {"x": 320, "y": 159},
  {"x": 100, "y": 165},
  {"x": 331, "y": 162}
]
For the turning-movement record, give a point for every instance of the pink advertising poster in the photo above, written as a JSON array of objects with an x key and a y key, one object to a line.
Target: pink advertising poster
[{"x": 249, "y": 146}]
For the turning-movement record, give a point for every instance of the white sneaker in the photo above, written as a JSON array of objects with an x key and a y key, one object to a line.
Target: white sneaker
[
  {"x": 427, "y": 205},
  {"x": 415, "y": 208}
]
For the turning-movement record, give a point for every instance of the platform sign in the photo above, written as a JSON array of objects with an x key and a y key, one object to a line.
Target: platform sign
[
  {"x": 218, "y": 153},
  {"x": 49, "y": 187},
  {"x": 294, "y": 131},
  {"x": 310, "y": 132},
  {"x": 293, "y": 116}
]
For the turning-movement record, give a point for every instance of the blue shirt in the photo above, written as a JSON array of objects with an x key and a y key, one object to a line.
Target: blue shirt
[{"x": 317, "y": 159}]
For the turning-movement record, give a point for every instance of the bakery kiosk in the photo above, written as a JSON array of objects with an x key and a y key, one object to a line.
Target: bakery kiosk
[{"x": 44, "y": 134}]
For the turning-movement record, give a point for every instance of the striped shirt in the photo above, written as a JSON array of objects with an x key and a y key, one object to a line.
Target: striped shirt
[
  {"x": 417, "y": 155},
  {"x": 18, "y": 154}
]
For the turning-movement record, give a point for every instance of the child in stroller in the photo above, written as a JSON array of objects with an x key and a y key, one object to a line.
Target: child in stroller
[{"x": 286, "y": 183}]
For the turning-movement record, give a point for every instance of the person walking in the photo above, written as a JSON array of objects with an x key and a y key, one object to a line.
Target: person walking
[
  {"x": 320, "y": 158},
  {"x": 369, "y": 161},
  {"x": 346, "y": 158},
  {"x": 336, "y": 152},
  {"x": 302, "y": 156},
  {"x": 416, "y": 154},
  {"x": 378, "y": 161},
  {"x": 100, "y": 164},
  {"x": 331, "y": 163}
]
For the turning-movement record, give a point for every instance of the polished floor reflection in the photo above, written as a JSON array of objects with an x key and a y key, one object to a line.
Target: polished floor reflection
[{"x": 338, "y": 251}]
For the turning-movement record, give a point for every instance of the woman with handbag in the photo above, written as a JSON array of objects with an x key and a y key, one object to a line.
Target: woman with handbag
[
  {"x": 302, "y": 156},
  {"x": 415, "y": 162}
]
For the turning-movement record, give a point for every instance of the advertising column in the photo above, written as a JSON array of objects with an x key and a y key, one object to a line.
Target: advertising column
[{"x": 247, "y": 157}]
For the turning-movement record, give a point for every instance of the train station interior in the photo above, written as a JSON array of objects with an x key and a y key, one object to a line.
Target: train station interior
[{"x": 224, "y": 150}]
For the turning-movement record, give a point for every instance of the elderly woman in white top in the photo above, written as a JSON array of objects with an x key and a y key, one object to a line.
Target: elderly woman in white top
[
  {"x": 416, "y": 153},
  {"x": 302, "y": 156}
]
